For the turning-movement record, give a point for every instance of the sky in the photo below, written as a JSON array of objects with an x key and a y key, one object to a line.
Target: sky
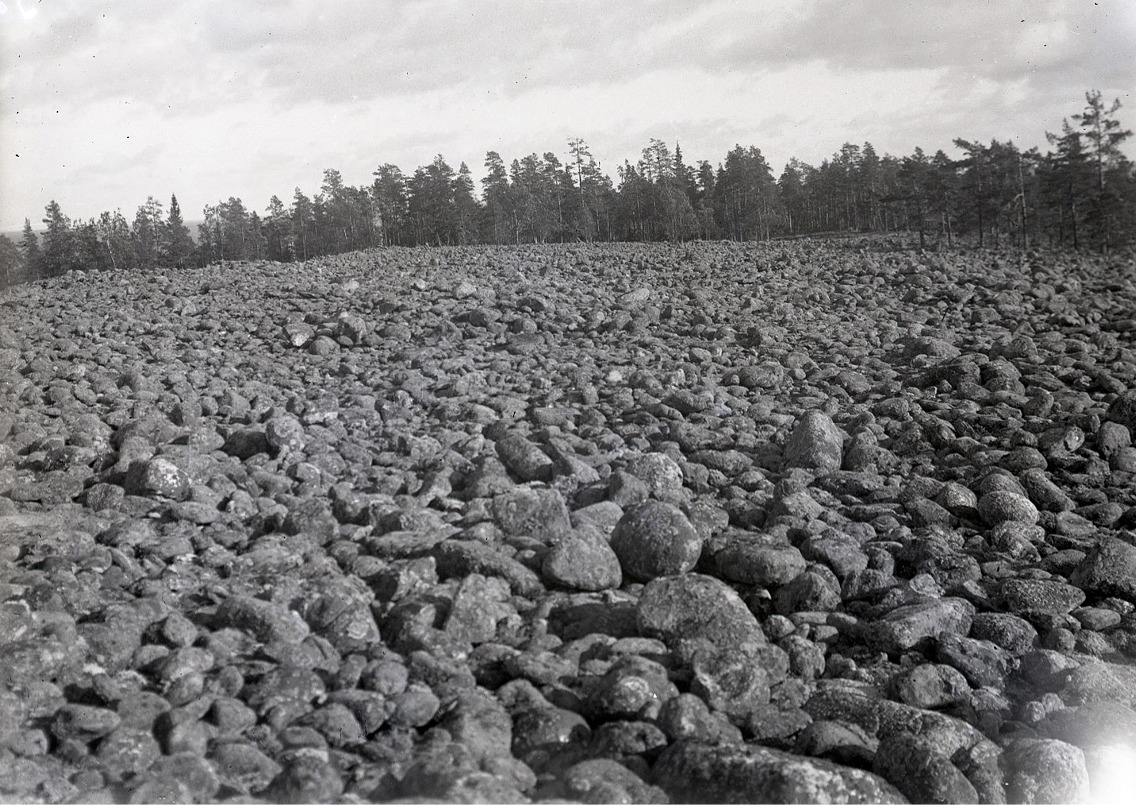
[{"x": 105, "y": 103}]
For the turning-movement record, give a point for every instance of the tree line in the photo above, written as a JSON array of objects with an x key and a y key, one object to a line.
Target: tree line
[{"x": 1081, "y": 193}]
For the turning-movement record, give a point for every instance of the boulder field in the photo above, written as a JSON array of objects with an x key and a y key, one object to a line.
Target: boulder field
[{"x": 787, "y": 522}]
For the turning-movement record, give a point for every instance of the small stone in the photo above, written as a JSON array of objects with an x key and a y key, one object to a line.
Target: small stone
[
  {"x": 922, "y": 770},
  {"x": 929, "y": 686},
  {"x": 126, "y": 752},
  {"x": 662, "y": 475},
  {"x": 284, "y": 435},
  {"x": 478, "y": 605},
  {"x": 984, "y": 664},
  {"x": 1012, "y": 632}
]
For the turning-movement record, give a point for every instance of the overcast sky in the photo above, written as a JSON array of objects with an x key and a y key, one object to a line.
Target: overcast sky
[{"x": 104, "y": 103}]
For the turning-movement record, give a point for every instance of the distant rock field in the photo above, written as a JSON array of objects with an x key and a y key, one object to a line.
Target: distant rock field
[{"x": 787, "y": 522}]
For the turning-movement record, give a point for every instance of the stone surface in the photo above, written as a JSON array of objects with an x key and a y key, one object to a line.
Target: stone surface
[{"x": 371, "y": 526}]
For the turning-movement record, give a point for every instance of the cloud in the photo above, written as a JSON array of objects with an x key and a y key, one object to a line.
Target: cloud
[{"x": 213, "y": 98}]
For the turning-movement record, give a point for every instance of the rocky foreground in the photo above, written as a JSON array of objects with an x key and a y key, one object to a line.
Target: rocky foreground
[{"x": 788, "y": 522}]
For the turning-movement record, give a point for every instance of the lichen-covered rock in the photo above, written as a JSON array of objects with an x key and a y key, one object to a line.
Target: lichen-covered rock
[
  {"x": 655, "y": 539},
  {"x": 693, "y": 612},
  {"x": 691, "y": 771},
  {"x": 815, "y": 444}
]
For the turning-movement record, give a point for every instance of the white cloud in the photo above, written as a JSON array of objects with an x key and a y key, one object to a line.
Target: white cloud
[{"x": 106, "y": 104}]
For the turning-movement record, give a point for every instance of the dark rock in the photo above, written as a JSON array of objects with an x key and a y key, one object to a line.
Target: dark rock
[
  {"x": 127, "y": 752},
  {"x": 604, "y": 780},
  {"x": 922, "y": 771},
  {"x": 998, "y": 507},
  {"x": 459, "y": 558},
  {"x": 688, "y": 716},
  {"x": 633, "y": 688},
  {"x": 284, "y": 435},
  {"x": 84, "y": 722},
  {"x": 983, "y": 663}
]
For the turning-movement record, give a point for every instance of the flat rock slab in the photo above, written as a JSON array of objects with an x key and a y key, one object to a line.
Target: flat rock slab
[{"x": 697, "y": 772}]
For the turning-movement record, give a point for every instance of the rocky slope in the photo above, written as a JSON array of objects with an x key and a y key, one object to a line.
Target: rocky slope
[{"x": 787, "y": 522}]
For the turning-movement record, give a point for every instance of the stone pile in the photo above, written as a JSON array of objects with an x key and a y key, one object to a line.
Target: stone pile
[{"x": 783, "y": 522}]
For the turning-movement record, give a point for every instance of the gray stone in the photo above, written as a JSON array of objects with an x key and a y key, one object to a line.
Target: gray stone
[
  {"x": 1109, "y": 569},
  {"x": 922, "y": 771},
  {"x": 1000, "y": 506},
  {"x": 662, "y": 475},
  {"x": 929, "y": 686},
  {"x": 605, "y": 780},
  {"x": 1012, "y": 632},
  {"x": 266, "y": 621},
  {"x": 1045, "y": 771},
  {"x": 815, "y": 444},
  {"x": 694, "y": 612},
  {"x": 583, "y": 560},
  {"x": 1039, "y": 598},
  {"x": 908, "y": 626},
  {"x": 984, "y": 664},
  {"x": 655, "y": 539},
  {"x": 538, "y": 513},
  {"x": 284, "y": 435},
  {"x": 744, "y": 558},
  {"x": 697, "y": 772},
  {"x": 523, "y": 458},
  {"x": 479, "y": 604}
]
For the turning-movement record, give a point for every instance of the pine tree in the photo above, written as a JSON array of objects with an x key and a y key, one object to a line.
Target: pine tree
[
  {"x": 58, "y": 244},
  {"x": 177, "y": 245},
  {"x": 1103, "y": 134},
  {"x": 147, "y": 233},
  {"x": 33, "y": 267},
  {"x": 11, "y": 262}
]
